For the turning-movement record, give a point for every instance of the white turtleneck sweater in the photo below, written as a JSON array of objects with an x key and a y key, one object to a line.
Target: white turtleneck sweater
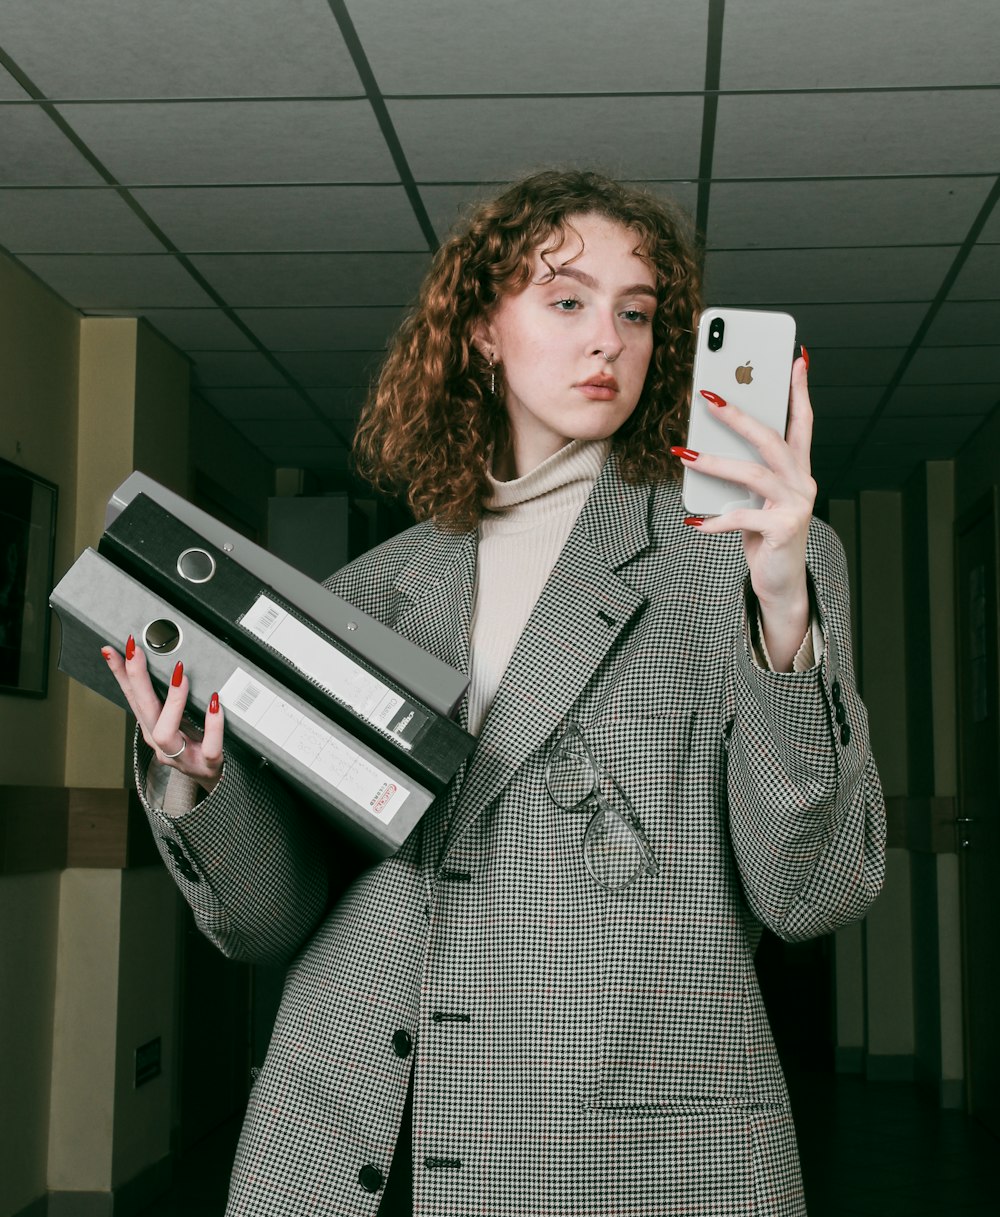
[{"x": 523, "y": 529}]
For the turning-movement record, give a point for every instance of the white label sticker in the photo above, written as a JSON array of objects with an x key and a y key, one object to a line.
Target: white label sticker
[
  {"x": 329, "y": 758},
  {"x": 331, "y": 669}
]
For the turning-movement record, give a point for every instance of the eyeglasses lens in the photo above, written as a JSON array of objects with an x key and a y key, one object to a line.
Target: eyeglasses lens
[
  {"x": 570, "y": 775},
  {"x": 611, "y": 851}
]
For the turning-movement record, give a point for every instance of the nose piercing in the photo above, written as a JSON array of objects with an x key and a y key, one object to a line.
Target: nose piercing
[{"x": 608, "y": 358}]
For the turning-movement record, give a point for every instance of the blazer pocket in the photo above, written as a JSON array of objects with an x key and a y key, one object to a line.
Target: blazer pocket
[{"x": 673, "y": 952}]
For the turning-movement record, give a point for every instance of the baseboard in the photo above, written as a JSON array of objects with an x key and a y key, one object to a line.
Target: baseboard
[
  {"x": 849, "y": 1060},
  {"x": 902, "y": 1068},
  {"x": 125, "y": 1201}
]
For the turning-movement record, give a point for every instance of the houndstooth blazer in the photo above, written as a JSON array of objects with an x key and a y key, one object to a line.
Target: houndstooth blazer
[{"x": 574, "y": 1052}]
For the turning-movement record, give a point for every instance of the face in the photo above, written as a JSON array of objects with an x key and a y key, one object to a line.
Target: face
[{"x": 574, "y": 347}]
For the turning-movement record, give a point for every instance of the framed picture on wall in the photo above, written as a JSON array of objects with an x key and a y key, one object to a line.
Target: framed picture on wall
[{"x": 27, "y": 543}]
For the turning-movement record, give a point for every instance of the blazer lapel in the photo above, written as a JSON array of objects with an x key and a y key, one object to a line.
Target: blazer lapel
[
  {"x": 582, "y": 610},
  {"x": 437, "y": 586}
]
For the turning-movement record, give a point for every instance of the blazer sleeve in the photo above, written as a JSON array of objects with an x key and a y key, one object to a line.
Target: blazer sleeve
[
  {"x": 806, "y": 812},
  {"x": 251, "y": 863}
]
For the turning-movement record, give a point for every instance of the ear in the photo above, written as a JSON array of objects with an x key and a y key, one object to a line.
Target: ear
[{"x": 484, "y": 340}]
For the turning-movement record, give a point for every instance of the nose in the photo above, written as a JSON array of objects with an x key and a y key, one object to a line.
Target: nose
[{"x": 606, "y": 341}]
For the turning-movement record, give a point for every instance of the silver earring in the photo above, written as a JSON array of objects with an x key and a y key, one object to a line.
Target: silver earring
[{"x": 493, "y": 377}]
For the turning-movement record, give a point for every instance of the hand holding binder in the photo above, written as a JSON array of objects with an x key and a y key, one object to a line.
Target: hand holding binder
[{"x": 162, "y": 723}]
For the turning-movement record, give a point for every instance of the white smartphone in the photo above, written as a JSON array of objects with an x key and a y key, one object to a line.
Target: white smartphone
[{"x": 745, "y": 356}]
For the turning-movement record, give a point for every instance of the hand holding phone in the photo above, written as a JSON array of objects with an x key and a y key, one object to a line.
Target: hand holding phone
[{"x": 744, "y": 356}]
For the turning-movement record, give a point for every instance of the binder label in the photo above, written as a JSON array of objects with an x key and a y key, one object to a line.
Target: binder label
[
  {"x": 334, "y": 672},
  {"x": 329, "y": 758}
]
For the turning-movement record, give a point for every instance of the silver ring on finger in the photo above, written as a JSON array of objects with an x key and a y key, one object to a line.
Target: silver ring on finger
[{"x": 172, "y": 756}]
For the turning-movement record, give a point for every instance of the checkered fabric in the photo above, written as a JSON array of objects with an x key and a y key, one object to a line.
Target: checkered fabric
[{"x": 576, "y": 1052}]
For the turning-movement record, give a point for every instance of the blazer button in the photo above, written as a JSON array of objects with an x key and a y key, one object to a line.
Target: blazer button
[
  {"x": 845, "y": 733},
  {"x": 835, "y": 690},
  {"x": 840, "y": 714},
  {"x": 370, "y": 1177},
  {"x": 401, "y": 1043}
]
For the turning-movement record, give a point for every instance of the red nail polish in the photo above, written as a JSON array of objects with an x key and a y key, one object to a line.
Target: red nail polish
[
  {"x": 106, "y": 653},
  {"x": 213, "y": 704},
  {"x": 805, "y": 356},
  {"x": 130, "y": 647},
  {"x": 694, "y": 521},
  {"x": 714, "y": 398},
  {"x": 686, "y": 454},
  {"x": 178, "y": 675}
]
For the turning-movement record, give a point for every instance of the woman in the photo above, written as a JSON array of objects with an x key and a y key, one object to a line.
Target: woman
[{"x": 556, "y": 970}]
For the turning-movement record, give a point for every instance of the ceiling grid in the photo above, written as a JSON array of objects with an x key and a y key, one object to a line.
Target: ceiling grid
[{"x": 265, "y": 183}]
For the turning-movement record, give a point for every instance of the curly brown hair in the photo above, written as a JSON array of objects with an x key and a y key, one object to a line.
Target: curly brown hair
[{"x": 431, "y": 420}]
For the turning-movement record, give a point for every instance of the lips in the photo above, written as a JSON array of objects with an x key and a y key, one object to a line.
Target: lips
[{"x": 598, "y": 388}]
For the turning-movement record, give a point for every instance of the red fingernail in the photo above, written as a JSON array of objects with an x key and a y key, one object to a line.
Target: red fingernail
[
  {"x": 106, "y": 653},
  {"x": 714, "y": 398},
  {"x": 694, "y": 521},
  {"x": 178, "y": 675},
  {"x": 805, "y": 356},
  {"x": 213, "y": 704},
  {"x": 130, "y": 647},
  {"x": 686, "y": 454}
]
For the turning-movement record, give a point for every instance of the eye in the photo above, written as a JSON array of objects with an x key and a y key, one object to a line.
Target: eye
[
  {"x": 636, "y": 315},
  {"x": 569, "y": 305}
]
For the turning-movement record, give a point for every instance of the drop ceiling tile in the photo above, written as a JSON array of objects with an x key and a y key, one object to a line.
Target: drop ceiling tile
[
  {"x": 954, "y": 365},
  {"x": 292, "y": 432},
  {"x": 839, "y": 431},
  {"x": 10, "y": 90},
  {"x": 903, "y": 456},
  {"x": 176, "y": 143},
  {"x": 449, "y": 206},
  {"x": 502, "y": 138},
  {"x": 71, "y": 222},
  {"x": 117, "y": 281},
  {"x": 940, "y": 437},
  {"x": 273, "y": 404},
  {"x": 854, "y": 366},
  {"x": 788, "y": 277},
  {"x": 973, "y": 323},
  {"x": 342, "y": 405},
  {"x": 854, "y": 43},
  {"x": 823, "y": 134},
  {"x": 991, "y": 229},
  {"x": 198, "y": 329},
  {"x": 942, "y": 400},
  {"x": 235, "y": 369},
  {"x": 323, "y": 329},
  {"x": 901, "y": 211},
  {"x": 333, "y": 369},
  {"x": 301, "y": 280},
  {"x": 857, "y": 325},
  {"x": 117, "y": 48},
  {"x": 264, "y": 218},
  {"x": 845, "y": 402},
  {"x": 523, "y": 46},
  {"x": 34, "y": 152},
  {"x": 978, "y": 278}
]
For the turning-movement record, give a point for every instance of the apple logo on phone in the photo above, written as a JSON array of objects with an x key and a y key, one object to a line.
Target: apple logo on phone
[{"x": 744, "y": 374}]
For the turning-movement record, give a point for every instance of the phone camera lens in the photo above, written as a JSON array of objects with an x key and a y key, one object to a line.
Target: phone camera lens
[{"x": 716, "y": 333}]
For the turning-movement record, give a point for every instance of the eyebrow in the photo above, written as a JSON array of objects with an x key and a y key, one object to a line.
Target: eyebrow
[{"x": 634, "y": 289}]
